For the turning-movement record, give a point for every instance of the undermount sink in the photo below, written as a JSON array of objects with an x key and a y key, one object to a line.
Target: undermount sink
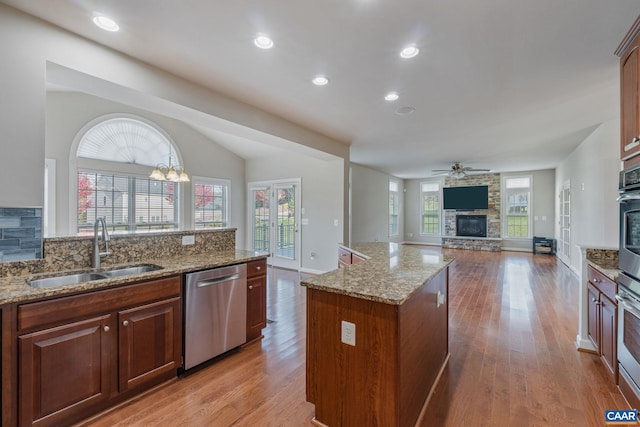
[
  {"x": 71, "y": 279},
  {"x": 138, "y": 269},
  {"x": 74, "y": 279}
]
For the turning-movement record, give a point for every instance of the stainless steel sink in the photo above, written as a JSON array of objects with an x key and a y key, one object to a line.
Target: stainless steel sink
[
  {"x": 126, "y": 271},
  {"x": 74, "y": 279},
  {"x": 71, "y": 279}
]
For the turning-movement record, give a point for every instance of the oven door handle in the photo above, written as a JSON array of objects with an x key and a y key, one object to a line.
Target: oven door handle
[
  {"x": 629, "y": 307},
  {"x": 624, "y": 198}
]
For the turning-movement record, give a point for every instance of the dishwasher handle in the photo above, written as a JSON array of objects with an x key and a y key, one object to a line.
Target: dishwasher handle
[{"x": 203, "y": 283}]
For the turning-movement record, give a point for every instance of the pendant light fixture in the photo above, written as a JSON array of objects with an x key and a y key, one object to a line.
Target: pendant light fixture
[{"x": 170, "y": 172}]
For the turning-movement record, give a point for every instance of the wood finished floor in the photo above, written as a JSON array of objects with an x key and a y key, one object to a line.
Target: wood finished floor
[{"x": 513, "y": 322}]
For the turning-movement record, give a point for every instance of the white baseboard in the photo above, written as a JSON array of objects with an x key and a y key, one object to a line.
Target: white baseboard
[
  {"x": 422, "y": 243},
  {"x": 585, "y": 344},
  {"x": 517, "y": 249}
]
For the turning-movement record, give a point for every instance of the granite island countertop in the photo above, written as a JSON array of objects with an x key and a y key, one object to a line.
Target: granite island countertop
[
  {"x": 390, "y": 275},
  {"x": 15, "y": 288}
]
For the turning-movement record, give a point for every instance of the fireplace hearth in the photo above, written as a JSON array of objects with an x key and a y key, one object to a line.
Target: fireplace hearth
[{"x": 471, "y": 225}]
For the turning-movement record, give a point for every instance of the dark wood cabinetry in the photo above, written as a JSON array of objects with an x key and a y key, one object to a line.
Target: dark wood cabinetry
[
  {"x": 80, "y": 354},
  {"x": 148, "y": 339},
  {"x": 256, "y": 298},
  {"x": 603, "y": 318},
  {"x": 629, "y": 53}
]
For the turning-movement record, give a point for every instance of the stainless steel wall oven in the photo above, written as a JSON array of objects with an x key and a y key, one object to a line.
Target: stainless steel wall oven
[{"x": 629, "y": 280}]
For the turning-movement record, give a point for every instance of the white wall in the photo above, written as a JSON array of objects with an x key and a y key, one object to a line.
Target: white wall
[
  {"x": 33, "y": 51},
  {"x": 322, "y": 184},
  {"x": 370, "y": 206},
  {"x": 593, "y": 169},
  {"x": 68, "y": 112}
]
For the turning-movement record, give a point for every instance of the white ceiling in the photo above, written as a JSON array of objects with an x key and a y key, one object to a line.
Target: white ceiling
[{"x": 500, "y": 84}]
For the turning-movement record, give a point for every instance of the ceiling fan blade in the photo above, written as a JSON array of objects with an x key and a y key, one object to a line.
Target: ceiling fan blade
[
  {"x": 476, "y": 170},
  {"x": 441, "y": 170}
]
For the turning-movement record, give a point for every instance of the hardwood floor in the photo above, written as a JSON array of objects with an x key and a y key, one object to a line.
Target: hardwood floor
[{"x": 513, "y": 322}]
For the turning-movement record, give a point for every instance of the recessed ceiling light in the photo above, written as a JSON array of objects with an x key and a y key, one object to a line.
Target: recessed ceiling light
[
  {"x": 320, "y": 80},
  {"x": 409, "y": 51},
  {"x": 263, "y": 41},
  {"x": 391, "y": 96},
  {"x": 403, "y": 111},
  {"x": 105, "y": 23}
]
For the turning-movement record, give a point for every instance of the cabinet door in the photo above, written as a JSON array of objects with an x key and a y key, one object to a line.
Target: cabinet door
[
  {"x": 256, "y": 306},
  {"x": 609, "y": 333},
  {"x": 150, "y": 343},
  {"x": 593, "y": 318},
  {"x": 64, "y": 371},
  {"x": 629, "y": 98}
]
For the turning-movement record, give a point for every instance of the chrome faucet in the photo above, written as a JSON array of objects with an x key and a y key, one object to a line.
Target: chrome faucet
[{"x": 97, "y": 255}]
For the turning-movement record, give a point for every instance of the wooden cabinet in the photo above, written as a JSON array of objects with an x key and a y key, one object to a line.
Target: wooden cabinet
[
  {"x": 256, "y": 298},
  {"x": 79, "y": 354},
  {"x": 603, "y": 318},
  {"x": 65, "y": 370},
  {"x": 629, "y": 52},
  {"x": 148, "y": 338}
]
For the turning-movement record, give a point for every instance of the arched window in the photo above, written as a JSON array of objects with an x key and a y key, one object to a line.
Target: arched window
[
  {"x": 126, "y": 140},
  {"x": 113, "y": 159}
]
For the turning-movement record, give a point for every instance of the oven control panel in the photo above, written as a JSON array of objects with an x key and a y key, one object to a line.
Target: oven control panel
[{"x": 630, "y": 179}]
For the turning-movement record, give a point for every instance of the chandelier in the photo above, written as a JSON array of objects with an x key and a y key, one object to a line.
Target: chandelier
[{"x": 173, "y": 173}]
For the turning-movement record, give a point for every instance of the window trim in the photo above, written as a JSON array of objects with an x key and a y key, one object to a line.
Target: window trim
[
  {"x": 505, "y": 207},
  {"x": 214, "y": 181},
  {"x": 396, "y": 206},
  {"x": 440, "y": 183}
]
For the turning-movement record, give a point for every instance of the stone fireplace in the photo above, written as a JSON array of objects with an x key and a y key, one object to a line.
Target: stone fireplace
[{"x": 471, "y": 225}]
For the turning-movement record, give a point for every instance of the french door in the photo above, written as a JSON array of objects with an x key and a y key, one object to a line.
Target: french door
[
  {"x": 564, "y": 244},
  {"x": 274, "y": 216}
]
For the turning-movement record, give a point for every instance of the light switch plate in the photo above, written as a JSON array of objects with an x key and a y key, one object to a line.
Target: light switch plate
[{"x": 348, "y": 333}]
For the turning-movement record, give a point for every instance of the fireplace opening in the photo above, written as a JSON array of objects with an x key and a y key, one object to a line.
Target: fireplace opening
[{"x": 471, "y": 225}]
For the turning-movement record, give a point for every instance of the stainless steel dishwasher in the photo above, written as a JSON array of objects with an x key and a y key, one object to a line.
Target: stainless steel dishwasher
[{"x": 215, "y": 313}]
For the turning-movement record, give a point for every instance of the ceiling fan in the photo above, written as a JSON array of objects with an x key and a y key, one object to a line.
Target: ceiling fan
[{"x": 458, "y": 171}]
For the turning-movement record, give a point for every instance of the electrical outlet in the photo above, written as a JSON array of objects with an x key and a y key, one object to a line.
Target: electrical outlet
[
  {"x": 348, "y": 333},
  {"x": 188, "y": 240}
]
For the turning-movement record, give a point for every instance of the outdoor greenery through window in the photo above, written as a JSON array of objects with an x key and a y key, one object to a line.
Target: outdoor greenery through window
[
  {"x": 517, "y": 206},
  {"x": 430, "y": 192},
  {"x": 129, "y": 203},
  {"x": 393, "y": 208},
  {"x": 210, "y": 203}
]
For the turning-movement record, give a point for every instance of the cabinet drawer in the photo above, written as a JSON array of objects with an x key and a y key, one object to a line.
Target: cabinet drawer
[
  {"x": 256, "y": 268},
  {"x": 603, "y": 283},
  {"x": 55, "y": 311}
]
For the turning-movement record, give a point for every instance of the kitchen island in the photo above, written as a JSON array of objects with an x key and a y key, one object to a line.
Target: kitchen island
[{"x": 377, "y": 336}]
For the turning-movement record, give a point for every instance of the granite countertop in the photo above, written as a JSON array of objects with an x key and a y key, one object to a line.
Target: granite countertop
[
  {"x": 15, "y": 289},
  {"x": 390, "y": 275},
  {"x": 605, "y": 261}
]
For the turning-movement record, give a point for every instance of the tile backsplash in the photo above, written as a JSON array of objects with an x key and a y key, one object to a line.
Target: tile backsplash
[{"x": 20, "y": 234}]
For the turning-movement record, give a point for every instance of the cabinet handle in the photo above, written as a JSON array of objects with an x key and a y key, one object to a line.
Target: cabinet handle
[
  {"x": 596, "y": 280},
  {"x": 250, "y": 286},
  {"x": 106, "y": 329},
  {"x": 125, "y": 323},
  {"x": 594, "y": 300},
  {"x": 258, "y": 268}
]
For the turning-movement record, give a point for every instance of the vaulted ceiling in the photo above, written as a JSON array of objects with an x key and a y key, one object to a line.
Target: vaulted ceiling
[{"x": 498, "y": 84}]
